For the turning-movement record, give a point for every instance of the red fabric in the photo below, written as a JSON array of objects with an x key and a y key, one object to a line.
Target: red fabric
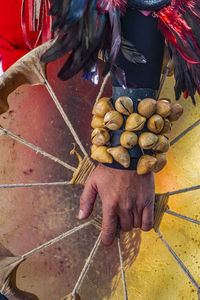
[{"x": 12, "y": 45}]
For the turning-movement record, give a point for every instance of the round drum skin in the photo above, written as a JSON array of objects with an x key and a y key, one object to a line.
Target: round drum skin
[{"x": 32, "y": 216}]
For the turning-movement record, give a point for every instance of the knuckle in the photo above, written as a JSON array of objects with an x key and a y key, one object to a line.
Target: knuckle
[
  {"x": 129, "y": 207},
  {"x": 114, "y": 199},
  {"x": 111, "y": 206},
  {"x": 123, "y": 212},
  {"x": 126, "y": 227},
  {"x": 126, "y": 207}
]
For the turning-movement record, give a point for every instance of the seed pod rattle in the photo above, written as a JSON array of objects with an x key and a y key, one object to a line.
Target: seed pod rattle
[
  {"x": 135, "y": 122},
  {"x": 148, "y": 140},
  {"x": 120, "y": 155},
  {"x": 113, "y": 120},
  {"x": 155, "y": 123},
  {"x": 147, "y": 107},
  {"x": 128, "y": 139},
  {"x": 146, "y": 164},
  {"x": 100, "y": 136},
  {"x": 101, "y": 155},
  {"x": 124, "y": 105},
  {"x": 102, "y": 107}
]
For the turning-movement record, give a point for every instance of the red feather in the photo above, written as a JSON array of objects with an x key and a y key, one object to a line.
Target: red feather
[
  {"x": 176, "y": 29},
  {"x": 180, "y": 24},
  {"x": 108, "y": 5}
]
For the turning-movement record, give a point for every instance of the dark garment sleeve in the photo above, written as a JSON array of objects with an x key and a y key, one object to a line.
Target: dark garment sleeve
[{"x": 143, "y": 32}]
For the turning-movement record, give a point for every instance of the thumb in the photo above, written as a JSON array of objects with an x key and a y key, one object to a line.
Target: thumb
[{"x": 87, "y": 200}]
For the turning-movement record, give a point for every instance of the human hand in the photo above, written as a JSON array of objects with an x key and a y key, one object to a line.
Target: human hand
[{"x": 124, "y": 194}]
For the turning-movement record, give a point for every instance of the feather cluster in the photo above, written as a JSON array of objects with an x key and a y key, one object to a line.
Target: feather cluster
[
  {"x": 180, "y": 24},
  {"x": 85, "y": 27}
]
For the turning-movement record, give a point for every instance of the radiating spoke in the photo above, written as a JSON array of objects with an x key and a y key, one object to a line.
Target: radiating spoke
[
  {"x": 22, "y": 185},
  {"x": 122, "y": 269},
  {"x": 87, "y": 266},
  {"x": 64, "y": 116},
  {"x": 184, "y": 133},
  {"x": 182, "y": 217},
  {"x": 55, "y": 240},
  {"x": 36, "y": 149},
  {"x": 181, "y": 191},
  {"x": 180, "y": 263},
  {"x": 167, "y": 68}
]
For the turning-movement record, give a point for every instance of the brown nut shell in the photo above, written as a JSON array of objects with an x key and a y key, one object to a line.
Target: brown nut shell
[
  {"x": 121, "y": 155},
  {"x": 155, "y": 123},
  {"x": 100, "y": 136},
  {"x": 161, "y": 162},
  {"x": 104, "y": 99},
  {"x": 128, "y": 139},
  {"x": 135, "y": 122},
  {"x": 147, "y": 107},
  {"x": 162, "y": 145},
  {"x": 146, "y": 164},
  {"x": 176, "y": 112},
  {"x": 102, "y": 107},
  {"x": 124, "y": 105},
  {"x": 148, "y": 140},
  {"x": 167, "y": 127},
  {"x": 113, "y": 120},
  {"x": 93, "y": 148},
  {"x": 101, "y": 155},
  {"x": 97, "y": 122},
  {"x": 166, "y": 99},
  {"x": 163, "y": 108}
]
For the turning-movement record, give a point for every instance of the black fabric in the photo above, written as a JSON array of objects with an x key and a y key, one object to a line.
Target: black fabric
[
  {"x": 2, "y": 297},
  {"x": 143, "y": 32},
  {"x": 135, "y": 153},
  {"x": 148, "y": 4}
]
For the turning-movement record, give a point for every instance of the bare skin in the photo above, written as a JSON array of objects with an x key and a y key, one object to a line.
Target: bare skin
[{"x": 125, "y": 195}]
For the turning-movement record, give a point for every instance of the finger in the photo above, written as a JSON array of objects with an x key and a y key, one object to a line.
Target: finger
[
  {"x": 137, "y": 219},
  {"x": 126, "y": 220},
  {"x": 87, "y": 200},
  {"x": 109, "y": 225},
  {"x": 147, "y": 217}
]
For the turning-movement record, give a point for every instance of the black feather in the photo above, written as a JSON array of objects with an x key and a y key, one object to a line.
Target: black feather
[
  {"x": 115, "y": 38},
  {"x": 131, "y": 53},
  {"x": 84, "y": 28},
  {"x": 76, "y": 10},
  {"x": 194, "y": 22},
  {"x": 81, "y": 55},
  {"x": 118, "y": 76},
  {"x": 184, "y": 80},
  {"x": 63, "y": 45}
]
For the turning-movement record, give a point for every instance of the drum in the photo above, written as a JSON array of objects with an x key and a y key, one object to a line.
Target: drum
[{"x": 32, "y": 215}]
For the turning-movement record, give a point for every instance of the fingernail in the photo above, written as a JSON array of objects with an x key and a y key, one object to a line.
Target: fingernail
[{"x": 81, "y": 214}]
